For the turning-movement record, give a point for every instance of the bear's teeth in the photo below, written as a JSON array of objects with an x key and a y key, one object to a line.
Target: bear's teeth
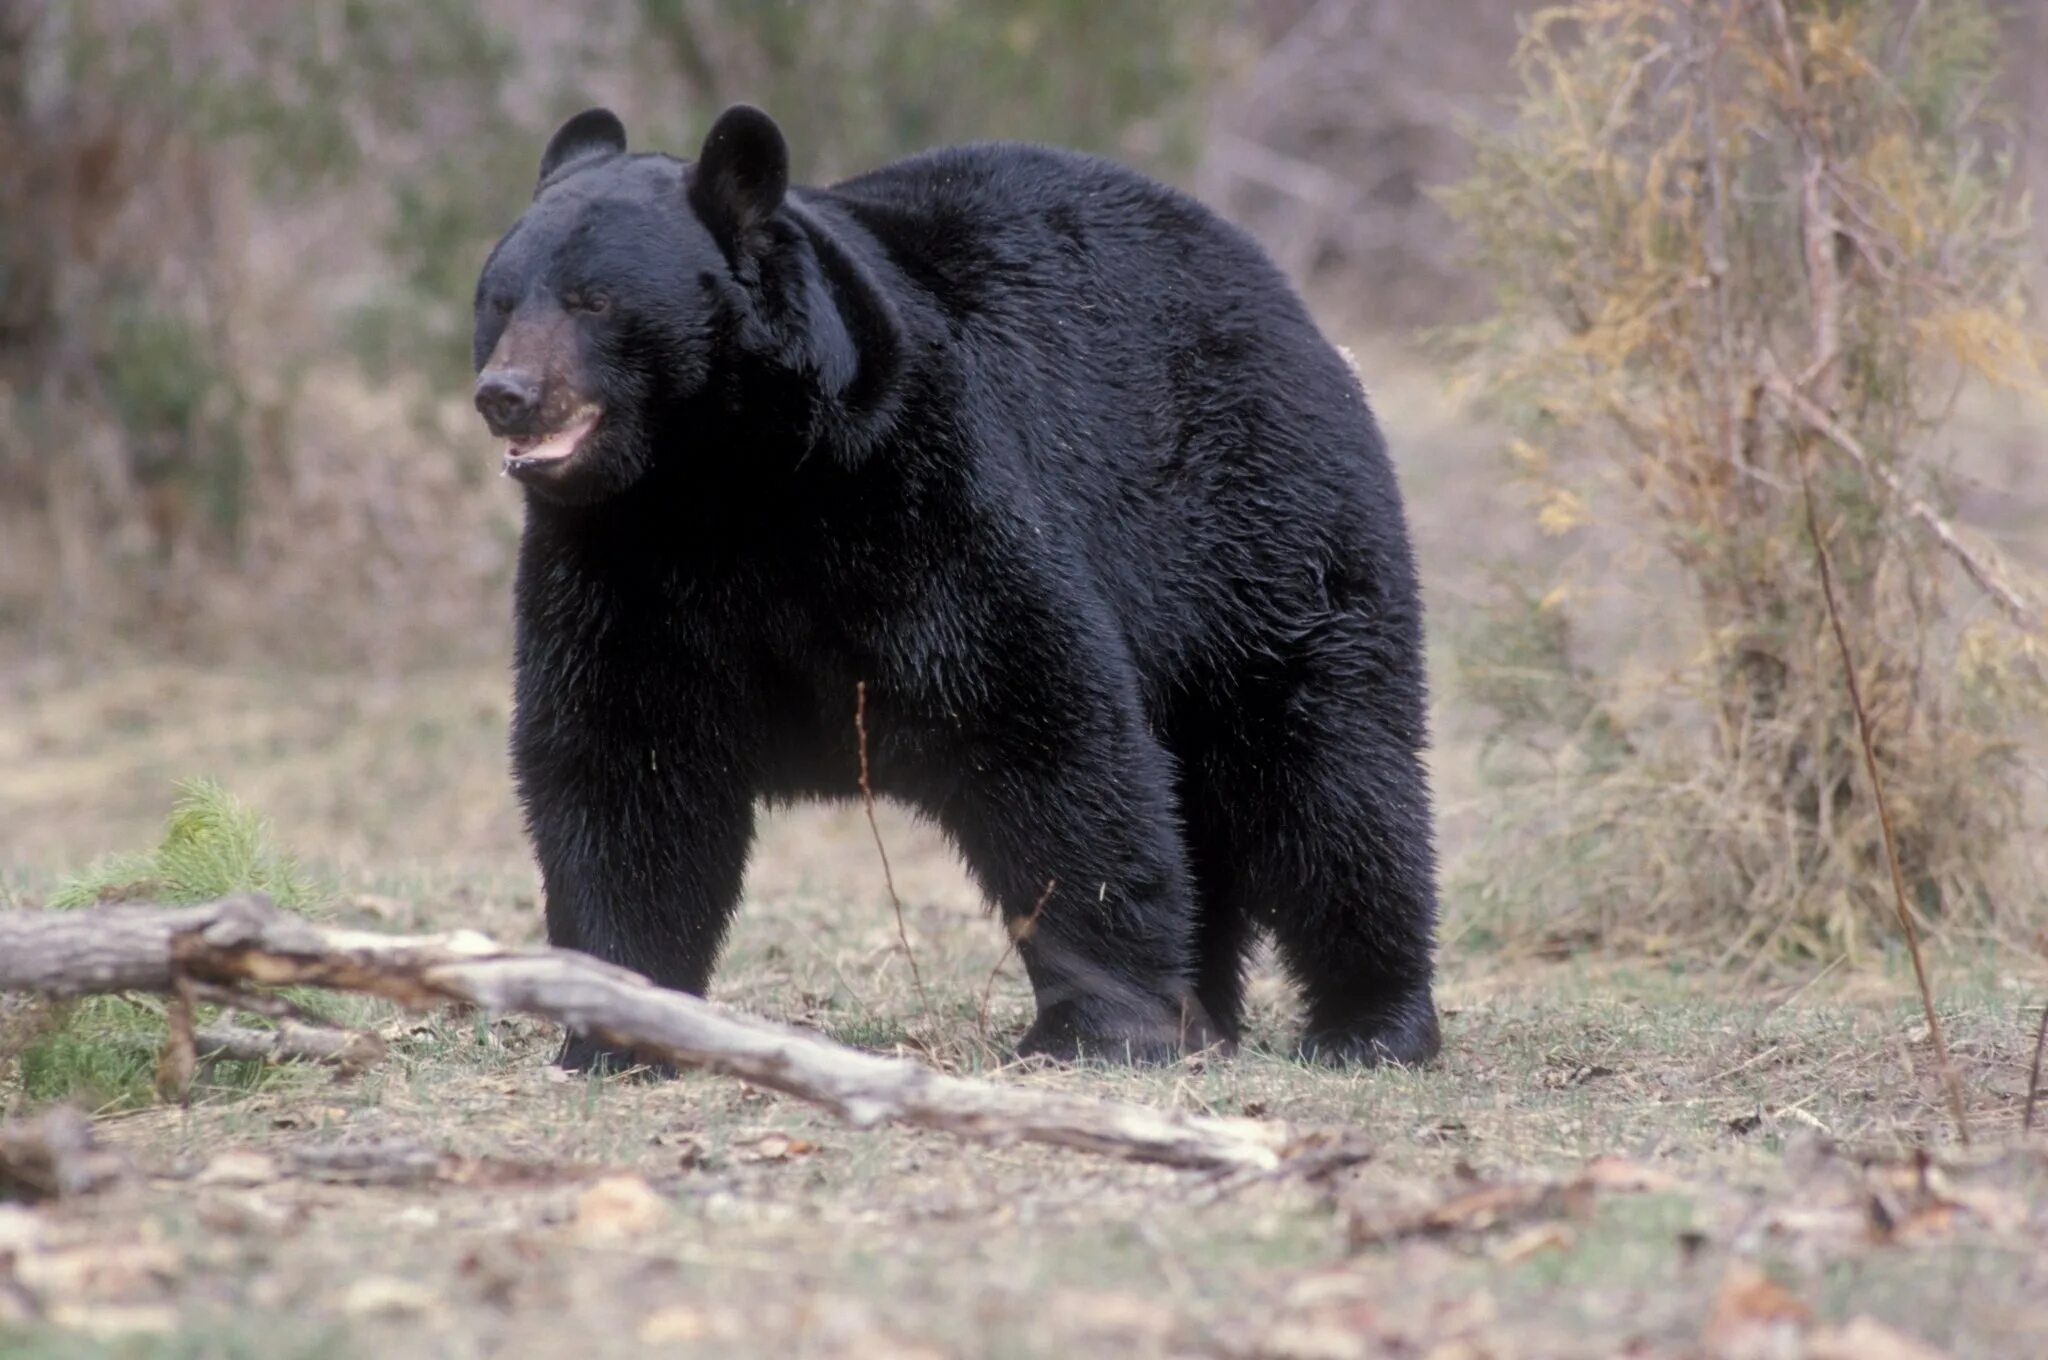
[{"x": 557, "y": 446}]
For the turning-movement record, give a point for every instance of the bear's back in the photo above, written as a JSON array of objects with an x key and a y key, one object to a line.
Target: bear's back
[{"x": 1020, "y": 205}]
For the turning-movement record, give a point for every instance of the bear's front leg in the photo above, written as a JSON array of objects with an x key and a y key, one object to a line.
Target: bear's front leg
[
  {"x": 642, "y": 839},
  {"x": 1068, "y": 822}
]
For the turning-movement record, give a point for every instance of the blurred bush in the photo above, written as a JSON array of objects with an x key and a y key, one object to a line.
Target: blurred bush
[
  {"x": 237, "y": 244},
  {"x": 1734, "y": 250}
]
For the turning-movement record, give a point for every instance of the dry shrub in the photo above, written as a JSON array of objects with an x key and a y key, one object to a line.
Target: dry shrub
[{"x": 1737, "y": 245}]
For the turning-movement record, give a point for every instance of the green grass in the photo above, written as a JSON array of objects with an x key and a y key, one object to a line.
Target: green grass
[
  {"x": 101, "y": 1052},
  {"x": 213, "y": 845}
]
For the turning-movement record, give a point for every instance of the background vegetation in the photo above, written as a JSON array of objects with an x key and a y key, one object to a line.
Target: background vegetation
[
  {"x": 1747, "y": 263},
  {"x": 239, "y": 243}
]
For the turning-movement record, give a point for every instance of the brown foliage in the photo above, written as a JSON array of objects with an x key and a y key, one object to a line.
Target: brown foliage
[{"x": 1726, "y": 239}]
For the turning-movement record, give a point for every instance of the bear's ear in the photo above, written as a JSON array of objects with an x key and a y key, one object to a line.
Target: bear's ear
[
  {"x": 741, "y": 174},
  {"x": 593, "y": 132}
]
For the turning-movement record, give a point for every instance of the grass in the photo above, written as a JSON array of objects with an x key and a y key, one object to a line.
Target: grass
[
  {"x": 213, "y": 844},
  {"x": 100, "y": 1052}
]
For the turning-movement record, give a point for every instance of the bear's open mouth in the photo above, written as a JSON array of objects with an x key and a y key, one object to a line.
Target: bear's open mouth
[{"x": 546, "y": 450}]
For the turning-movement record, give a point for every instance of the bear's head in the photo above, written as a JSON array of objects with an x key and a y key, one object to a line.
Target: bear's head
[{"x": 643, "y": 306}]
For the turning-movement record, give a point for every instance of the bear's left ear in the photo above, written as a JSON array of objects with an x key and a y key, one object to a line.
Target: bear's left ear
[
  {"x": 741, "y": 175},
  {"x": 593, "y": 132}
]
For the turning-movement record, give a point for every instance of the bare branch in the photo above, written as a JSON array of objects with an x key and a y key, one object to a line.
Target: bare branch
[
  {"x": 1980, "y": 567},
  {"x": 244, "y": 941}
]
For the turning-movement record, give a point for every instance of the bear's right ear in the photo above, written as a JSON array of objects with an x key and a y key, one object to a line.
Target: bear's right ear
[
  {"x": 593, "y": 132},
  {"x": 741, "y": 175}
]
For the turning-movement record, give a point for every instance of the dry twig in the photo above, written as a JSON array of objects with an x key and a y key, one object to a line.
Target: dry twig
[
  {"x": 867, "y": 798},
  {"x": 1949, "y": 1080},
  {"x": 1980, "y": 568},
  {"x": 244, "y": 942},
  {"x": 2034, "y": 1070},
  {"x": 1019, "y": 930}
]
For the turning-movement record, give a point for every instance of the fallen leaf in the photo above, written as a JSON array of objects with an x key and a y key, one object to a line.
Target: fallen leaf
[
  {"x": 248, "y": 1212},
  {"x": 1313, "y": 1341},
  {"x": 677, "y": 1322},
  {"x": 1114, "y": 1312},
  {"x": 1620, "y": 1175},
  {"x": 311, "y": 1117},
  {"x": 618, "y": 1207},
  {"x": 1530, "y": 1241},
  {"x": 386, "y": 1296},
  {"x": 690, "y": 1150},
  {"x": 1753, "y": 1317},
  {"x": 779, "y": 1147},
  {"x": 1865, "y": 1338},
  {"x": 1489, "y": 1206}
]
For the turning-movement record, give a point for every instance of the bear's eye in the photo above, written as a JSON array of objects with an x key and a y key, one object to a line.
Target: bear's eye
[{"x": 591, "y": 301}]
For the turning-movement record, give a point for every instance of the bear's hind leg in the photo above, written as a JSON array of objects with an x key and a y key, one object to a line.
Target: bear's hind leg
[
  {"x": 1354, "y": 897},
  {"x": 1225, "y": 927},
  {"x": 1327, "y": 817}
]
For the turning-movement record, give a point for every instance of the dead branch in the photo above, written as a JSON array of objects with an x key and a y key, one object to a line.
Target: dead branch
[
  {"x": 289, "y": 1042},
  {"x": 1949, "y": 1080},
  {"x": 1981, "y": 569},
  {"x": 244, "y": 942}
]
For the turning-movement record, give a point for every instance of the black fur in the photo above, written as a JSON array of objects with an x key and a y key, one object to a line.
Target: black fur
[{"x": 1053, "y": 460}]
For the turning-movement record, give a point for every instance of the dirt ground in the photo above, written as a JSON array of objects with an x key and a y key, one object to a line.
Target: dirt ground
[{"x": 1641, "y": 1157}]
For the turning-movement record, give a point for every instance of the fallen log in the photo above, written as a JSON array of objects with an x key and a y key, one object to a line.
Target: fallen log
[{"x": 244, "y": 942}]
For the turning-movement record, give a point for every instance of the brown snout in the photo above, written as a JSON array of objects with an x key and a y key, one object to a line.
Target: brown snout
[{"x": 509, "y": 399}]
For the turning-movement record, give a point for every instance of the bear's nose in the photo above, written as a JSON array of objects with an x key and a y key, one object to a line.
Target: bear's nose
[{"x": 508, "y": 398}]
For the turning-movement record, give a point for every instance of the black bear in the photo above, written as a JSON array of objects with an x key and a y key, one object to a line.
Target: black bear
[{"x": 1055, "y": 463}]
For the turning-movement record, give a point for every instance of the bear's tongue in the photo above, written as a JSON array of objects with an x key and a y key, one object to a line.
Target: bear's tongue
[{"x": 552, "y": 448}]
